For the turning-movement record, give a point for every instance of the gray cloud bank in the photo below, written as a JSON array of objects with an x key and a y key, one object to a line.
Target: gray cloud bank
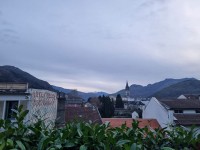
[{"x": 98, "y": 45}]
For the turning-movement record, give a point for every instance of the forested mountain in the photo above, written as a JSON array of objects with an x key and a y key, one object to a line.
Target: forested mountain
[
  {"x": 83, "y": 95},
  {"x": 13, "y": 74},
  {"x": 151, "y": 89},
  {"x": 185, "y": 87},
  {"x": 164, "y": 89}
]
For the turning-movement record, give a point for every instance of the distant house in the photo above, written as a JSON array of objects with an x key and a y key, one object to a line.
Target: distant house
[
  {"x": 76, "y": 109},
  {"x": 95, "y": 101},
  {"x": 189, "y": 96},
  {"x": 74, "y": 100},
  {"x": 122, "y": 113},
  {"x": 174, "y": 112},
  {"x": 134, "y": 105},
  {"x": 117, "y": 122},
  {"x": 41, "y": 103}
]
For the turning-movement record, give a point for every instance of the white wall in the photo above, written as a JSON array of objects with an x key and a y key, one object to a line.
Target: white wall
[
  {"x": 154, "y": 110},
  {"x": 182, "y": 97},
  {"x": 43, "y": 104},
  {"x": 189, "y": 111},
  {"x": 40, "y": 102},
  {"x": 135, "y": 115}
]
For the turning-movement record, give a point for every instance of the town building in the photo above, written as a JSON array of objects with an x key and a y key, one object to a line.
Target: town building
[
  {"x": 72, "y": 108},
  {"x": 173, "y": 112},
  {"x": 39, "y": 102},
  {"x": 82, "y": 113},
  {"x": 189, "y": 96}
]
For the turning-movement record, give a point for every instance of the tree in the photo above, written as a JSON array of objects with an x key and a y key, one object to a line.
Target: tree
[
  {"x": 107, "y": 107},
  {"x": 119, "y": 103}
]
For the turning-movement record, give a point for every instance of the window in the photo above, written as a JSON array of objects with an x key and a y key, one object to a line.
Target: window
[
  {"x": 178, "y": 111},
  {"x": 9, "y": 106}
]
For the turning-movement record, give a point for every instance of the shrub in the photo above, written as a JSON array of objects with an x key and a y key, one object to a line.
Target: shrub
[{"x": 88, "y": 136}]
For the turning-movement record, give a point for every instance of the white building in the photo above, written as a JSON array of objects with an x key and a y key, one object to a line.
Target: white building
[
  {"x": 42, "y": 103},
  {"x": 174, "y": 112},
  {"x": 189, "y": 96}
]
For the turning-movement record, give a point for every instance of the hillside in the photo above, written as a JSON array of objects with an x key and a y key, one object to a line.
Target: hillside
[
  {"x": 150, "y": 89},
  {"x": 13, "y": 74},
  {"x": 83, "y": 95},
  {"x": 185, "y": 87}
]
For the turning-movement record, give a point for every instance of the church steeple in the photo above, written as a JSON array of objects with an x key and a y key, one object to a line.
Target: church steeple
[
  {"x": 127, "y": 87},
  {"x": 127, "y": 90}
]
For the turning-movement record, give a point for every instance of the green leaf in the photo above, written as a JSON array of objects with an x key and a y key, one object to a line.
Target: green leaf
[
  {"x": 59, "y": 146},
  {"x": 3, "y": 145},
  {"x": 26, "y": 139},
  {"x": 80, "y": 133},
  {"x": 21, "y": 145},
  {"x": 69, "y": 145},
  {"x": 83, "y": 147},
  {"x": 10, "y": 142},
  {"x": 122, "y": 142},
  {"x": 134, "y": 146},
  {"x": 43, "y": 143},
  {"x": 167, "y": 148}
]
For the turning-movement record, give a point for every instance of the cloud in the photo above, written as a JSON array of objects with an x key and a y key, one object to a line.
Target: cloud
[{"x": 99, "y": 45}]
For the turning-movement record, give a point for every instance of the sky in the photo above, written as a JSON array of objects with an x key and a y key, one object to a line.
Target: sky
[{"x": 98, "y": 45}]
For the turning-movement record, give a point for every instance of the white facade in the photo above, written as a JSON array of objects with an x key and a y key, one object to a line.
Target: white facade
[
  {"x": 155, "y": 110},
  {"x": 135, "y": 115},
  {"x": 189, "y": 111},
  {"x": 42, "y": 103},
  {"x": 182, "y": 97},
  {"x": 169, "y": 116}
]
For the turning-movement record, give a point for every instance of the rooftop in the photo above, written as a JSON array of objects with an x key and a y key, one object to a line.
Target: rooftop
[
  {"x": 117, "y": 122},
  {"x": 181, "y": 104},
  {"x": 192, "y": 96},
  {"x": 187, "y": 119},
  {"x": 82, "y": 113}
]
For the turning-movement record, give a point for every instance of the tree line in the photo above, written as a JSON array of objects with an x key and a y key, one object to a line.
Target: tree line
[{"x": 108, "y": 105}]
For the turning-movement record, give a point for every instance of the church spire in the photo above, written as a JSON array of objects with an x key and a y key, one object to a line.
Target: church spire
[
  {"x": 127, "y": 90},
  {"x": 127, "y": 87}
]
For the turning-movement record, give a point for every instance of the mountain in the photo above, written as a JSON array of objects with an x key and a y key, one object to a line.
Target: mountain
[
  {"x": 91, "y": 94},
  {"x": 13, "y": 74},
  {"x": 60, "y": 89},
  {"x": 191, "y": 86},
  {"x": 150, "y": 89},
  {"x": 83, "y": 95}
]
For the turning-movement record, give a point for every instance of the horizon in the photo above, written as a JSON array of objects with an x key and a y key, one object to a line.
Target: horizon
[
  {"x": 99, "y": 45},
  {"x": 130, "y": 84}
]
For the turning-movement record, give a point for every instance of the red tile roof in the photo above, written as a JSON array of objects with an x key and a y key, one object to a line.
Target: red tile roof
[
  {"x": 117, "y": 122},
  {"x": 82, "y": 113}
]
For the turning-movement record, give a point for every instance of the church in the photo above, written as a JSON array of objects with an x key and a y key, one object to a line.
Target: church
[{"x": 127, "y": 96}]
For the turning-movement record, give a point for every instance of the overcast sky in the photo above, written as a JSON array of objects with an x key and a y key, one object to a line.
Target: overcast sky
[{"x": 96, "y": 45}]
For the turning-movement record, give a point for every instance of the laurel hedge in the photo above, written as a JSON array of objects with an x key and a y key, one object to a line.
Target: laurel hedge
[{"x": 88, "y": 136}]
